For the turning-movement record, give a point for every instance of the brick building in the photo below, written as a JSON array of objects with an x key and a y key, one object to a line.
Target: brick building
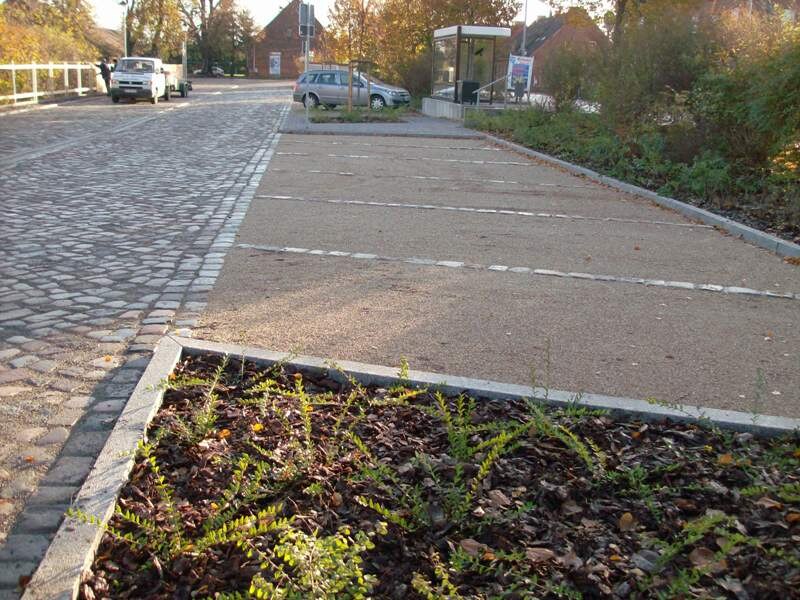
[
  {"x": 278, "y": 48},
  {"x": 572, "y": 28}
]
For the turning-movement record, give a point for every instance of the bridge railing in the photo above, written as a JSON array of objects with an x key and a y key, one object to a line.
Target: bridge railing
[{"x": 27, "y": 83}]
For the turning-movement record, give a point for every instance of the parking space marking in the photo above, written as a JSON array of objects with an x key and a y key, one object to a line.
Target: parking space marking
[
  {"x": 430, "y": 262},
  {"x": 372, "y": 145},
  {"x": 481, "y": 210},
  {"x": 512, "y": 163},
  {"x": 428, "y": 178}
]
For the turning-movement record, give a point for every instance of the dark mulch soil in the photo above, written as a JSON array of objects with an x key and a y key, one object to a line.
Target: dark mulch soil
[{"x": 571, "y": 504}]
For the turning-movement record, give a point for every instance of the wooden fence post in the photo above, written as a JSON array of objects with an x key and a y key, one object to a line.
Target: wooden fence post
[
  {"x": 34, "y": 84},
  {"x": 14, "y": 82},
  {"x": 80, "y": 85},
  {"x": 66, "y": 80}
]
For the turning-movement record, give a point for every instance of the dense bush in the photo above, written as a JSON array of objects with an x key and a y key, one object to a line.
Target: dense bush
[{"x": 702, "y": 106}]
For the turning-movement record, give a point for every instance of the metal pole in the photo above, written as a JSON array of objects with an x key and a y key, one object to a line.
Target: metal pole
[
  {"x": 308, "y": 43},
  {"x": 524, "y": 29}
]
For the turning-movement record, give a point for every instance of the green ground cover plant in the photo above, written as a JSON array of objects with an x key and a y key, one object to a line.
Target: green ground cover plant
[
  {"x": 358, "y": 115},
  {"x": 269, "y": 483}
]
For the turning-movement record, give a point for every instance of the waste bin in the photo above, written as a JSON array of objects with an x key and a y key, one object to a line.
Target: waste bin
[{"x": 467, "y": 89}]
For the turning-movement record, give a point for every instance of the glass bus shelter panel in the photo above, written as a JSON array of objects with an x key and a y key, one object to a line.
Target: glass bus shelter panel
[
  {"x": 444, "y": 68},
  {"x": 476, "y": 60}
]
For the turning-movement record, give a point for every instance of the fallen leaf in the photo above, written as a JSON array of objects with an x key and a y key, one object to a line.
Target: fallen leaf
[
  {"x": 725, "y": 459},
  {"x": 223, "y": 434},
  {"x": 797, "y": 453},
  {"x": 636, "y": 248},
  {"x": 256, "y": 427},
  {"x": 704, "y": 558},
  {"x": 571, "y": 561},
  {"x": 539, "y": 555},
  {"x": 701, "y": 557},
  {"x": 472, "y": 547},
  {"x": 793, "y": 518},
  {"x": 792, "y": 260},
  {"x": 570, "y": 507},
  {"x": 615, "y": 558},
  {"x": 767, "y": 502},
  {"x": 488, "y": 555},
  {"x": 498, "y": 499},
  {"x": 336, "y": 499},
  {"x": 108, "y": 358},
  {"x": 627, "y": 522},
  {"x": 29, "y": 459}
]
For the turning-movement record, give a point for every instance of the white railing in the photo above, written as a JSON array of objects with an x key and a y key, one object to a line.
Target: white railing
[{"x": 28, "y": 84}]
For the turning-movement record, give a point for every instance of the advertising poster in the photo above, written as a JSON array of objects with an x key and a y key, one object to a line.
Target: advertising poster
[
  {"x": 520, "y": 72},
  {"x": 275, "y": 64}
]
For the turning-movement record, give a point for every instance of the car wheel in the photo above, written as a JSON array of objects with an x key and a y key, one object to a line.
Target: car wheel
[
  {"x": 311, "y": 101},
  {"x": 115, "y": 99},
  {"x": 377, "y": 102}
]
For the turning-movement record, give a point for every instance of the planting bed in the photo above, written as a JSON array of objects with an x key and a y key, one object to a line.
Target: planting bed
[{"x": 276, "y": 484}]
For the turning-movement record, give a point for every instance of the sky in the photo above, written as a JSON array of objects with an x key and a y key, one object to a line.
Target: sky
[{"x": 108, "y": 13}]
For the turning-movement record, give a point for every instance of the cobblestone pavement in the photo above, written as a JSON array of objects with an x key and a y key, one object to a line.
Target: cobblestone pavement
[{"x": 116, "y": 222}]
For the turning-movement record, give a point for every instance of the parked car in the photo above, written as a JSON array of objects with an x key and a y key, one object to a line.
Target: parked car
[
  {"x": 145, "y": 77},
  {"x": 215, "y": 71},
  {"x": 331, "y": 88}
]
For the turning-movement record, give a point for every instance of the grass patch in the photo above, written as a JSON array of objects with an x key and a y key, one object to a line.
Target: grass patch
[
  {"x": 268, "y": 483},
  {"x": 649, "y": 158},
  {"x": 358, "y": 115}
]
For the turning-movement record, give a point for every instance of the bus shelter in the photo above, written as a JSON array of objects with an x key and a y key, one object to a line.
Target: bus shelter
[{"x": 464, "y": 61}]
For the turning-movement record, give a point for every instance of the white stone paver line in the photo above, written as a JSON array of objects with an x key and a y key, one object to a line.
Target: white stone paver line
[
  {"x": 661, "y": 283},
  {"x": 481, "y": 210}
]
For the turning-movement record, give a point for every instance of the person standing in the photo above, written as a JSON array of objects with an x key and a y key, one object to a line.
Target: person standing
[{"x": 105, "y": 73}]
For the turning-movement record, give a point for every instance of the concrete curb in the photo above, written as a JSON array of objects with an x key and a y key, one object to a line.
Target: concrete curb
[
  {"x": 754, "y": 236},
  {"x": 381, "y": 376},
  {"x": 73, "y": 548}
]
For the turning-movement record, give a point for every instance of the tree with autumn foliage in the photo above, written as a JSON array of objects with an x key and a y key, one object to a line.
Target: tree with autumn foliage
[{"x": 397, "y": 34}]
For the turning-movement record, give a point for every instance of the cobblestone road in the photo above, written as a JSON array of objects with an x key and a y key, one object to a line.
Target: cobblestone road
[{"x": 116, "y": 220}]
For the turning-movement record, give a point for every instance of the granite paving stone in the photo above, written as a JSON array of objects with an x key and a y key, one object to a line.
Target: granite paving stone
[{"x": 89, "y": 271}]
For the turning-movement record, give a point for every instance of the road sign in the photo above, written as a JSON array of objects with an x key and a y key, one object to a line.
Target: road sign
[{"x": 307, "y": 23}]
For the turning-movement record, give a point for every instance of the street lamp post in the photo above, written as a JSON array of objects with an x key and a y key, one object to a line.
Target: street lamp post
[
  {"x": 524, "y": 29},
  {"x": 124, "y": 29}
]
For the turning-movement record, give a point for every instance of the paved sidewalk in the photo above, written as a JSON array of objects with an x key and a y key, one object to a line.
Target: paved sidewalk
[
  {"x": 473, "y": 260},
  {"x": 106, "y": 243}
]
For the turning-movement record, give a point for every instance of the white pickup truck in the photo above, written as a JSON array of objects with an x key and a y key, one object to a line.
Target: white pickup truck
[{"x": 141, "y": 77}]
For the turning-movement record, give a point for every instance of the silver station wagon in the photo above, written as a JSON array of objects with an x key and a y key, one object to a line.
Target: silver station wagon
[{"x": 330, "y": 87}]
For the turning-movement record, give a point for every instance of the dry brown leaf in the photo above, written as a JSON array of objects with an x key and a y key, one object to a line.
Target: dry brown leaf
[
  {"x": 627, "y": 522},
  {"x": 704, "y": 558},
  {"x": 488, "y": 555},
  {"x": 767, "y": 502},
  {"x": 498, "y": 499},
  {"x": 701, "y": 557},
  {"x": 792, "y": 518},
  {"x": 571, "y": 561},
  {"x": 472, "y": 547},
  {"x": 725, "y": 459},
  {"x": 336, "y": 499},
  {"x": 539, "y": 555},
  {"x": 792, "y": 260},
  {"x": 570, "y": 507}
]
